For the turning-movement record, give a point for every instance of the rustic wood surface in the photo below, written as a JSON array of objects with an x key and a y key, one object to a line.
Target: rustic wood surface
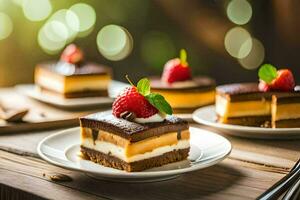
[
  {"x": 252, "y": 167},
  {"x": 39, "y": 117}
]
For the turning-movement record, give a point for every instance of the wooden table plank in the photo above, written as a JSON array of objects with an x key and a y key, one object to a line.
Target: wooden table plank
[
  {"x": 228, "y": 180},
  {"x": 40, "y": 116}
]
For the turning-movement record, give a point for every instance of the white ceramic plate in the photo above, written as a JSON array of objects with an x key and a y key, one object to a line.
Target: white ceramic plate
[
  {"x": 32, "y": 91},
  {"x": 63, "y": 148},
  {"x": 207, "y": 116}
]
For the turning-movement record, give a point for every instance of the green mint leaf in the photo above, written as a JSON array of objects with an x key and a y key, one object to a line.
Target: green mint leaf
[
  {"x": 267, "y": 73},
  {"x": 143, "y": 87},
  {"x": 183, "y": 57},
  {"x": 159, "y": 102}
]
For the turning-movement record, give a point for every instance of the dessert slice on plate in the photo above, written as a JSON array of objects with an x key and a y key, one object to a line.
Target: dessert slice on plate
[
  {"x": 139, "y": 133},
  {"x": 72, "y": 77},
  {"x": 243, "y": 104},
  {"x": 252, "y": 104},
  {"x": 184, "y": 92},
  {"x": 286, "y": 110}
]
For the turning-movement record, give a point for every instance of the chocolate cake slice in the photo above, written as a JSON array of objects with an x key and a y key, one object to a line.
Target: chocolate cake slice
[
  {"x": 72, "y": 80},
  {"x": 186, "y": 96},
  {"x": 286, "y": 110},
  {"x": 243, "y": 104},
  {"x": 125, "y": 145}
]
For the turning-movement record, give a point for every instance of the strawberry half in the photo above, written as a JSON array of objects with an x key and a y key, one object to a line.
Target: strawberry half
[
  {"x": 72, "y": 54},
  {"x": 273, "y": 79},
  {"x": 177, "y": 69}
]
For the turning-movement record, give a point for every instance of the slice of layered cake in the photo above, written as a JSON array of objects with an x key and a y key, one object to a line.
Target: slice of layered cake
[
  {"x": 274, "y": 100},
  {"x": 184, "y": 92},
  {"x": 286, "y": 110},
  {"x": 71, "y": 77},
  {"x": 139, "y": 133},
  {"x": 243, "y": 104}
]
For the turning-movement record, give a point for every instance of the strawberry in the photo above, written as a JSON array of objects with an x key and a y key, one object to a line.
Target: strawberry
[
  {"x": 138, "y": 101},
  {"x": 273, "y": 79},
  {"x": 132, "y": 101},
  {"x": 284, "y": 81},
  {"x": 177, "y": 69},
  {"x": 72, "y": 54}
]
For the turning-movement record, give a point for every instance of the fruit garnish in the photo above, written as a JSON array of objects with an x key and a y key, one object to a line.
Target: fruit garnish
[
  {"x": 177, "y": 69},
  {"x": 263, "y": 86},
  {"x": 72, "y": 54},
  {"x": 140, "y": 102},
  {"x": 273, "y": 79}
]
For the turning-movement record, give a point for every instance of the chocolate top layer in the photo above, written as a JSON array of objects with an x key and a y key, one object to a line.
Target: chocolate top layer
[
  {"x": 200, "y": 82},
  {"x": 242, "y": 92},
  {"x": 130, "y": 130},
  {"x": 68, "y": 69},
  {"x": 248, "y": 92},
  {"x": 238, "y": 88},
  {"x": 288, "y": 98}
]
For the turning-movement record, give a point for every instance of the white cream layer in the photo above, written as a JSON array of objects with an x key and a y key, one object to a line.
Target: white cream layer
[
  {"x": 119, "y": 152},
  {"x": 158, "y": 117}
]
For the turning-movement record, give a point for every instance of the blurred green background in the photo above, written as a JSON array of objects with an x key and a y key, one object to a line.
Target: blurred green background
[{"x": 225, "y": 39}]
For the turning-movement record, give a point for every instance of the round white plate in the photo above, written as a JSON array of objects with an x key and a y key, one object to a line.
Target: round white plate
[
  {"x": 63, "y": 149},
  {"x": 207, "y": 116},
  {"x": 32, "y": 91}
]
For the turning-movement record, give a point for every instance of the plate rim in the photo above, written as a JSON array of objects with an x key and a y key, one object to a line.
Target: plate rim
[
  {"x": 24, "y": 89},
  {"x": 200, "y": 120},
  {"x": 142, "y": 174}
]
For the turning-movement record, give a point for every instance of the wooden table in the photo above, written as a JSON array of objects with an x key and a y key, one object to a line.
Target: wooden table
[{"x": 252, "y": 167}]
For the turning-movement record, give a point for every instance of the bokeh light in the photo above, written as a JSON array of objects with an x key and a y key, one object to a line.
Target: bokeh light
[
  {"x": 3, "y": 5},
  {"x": 157, "y": 48},
  {"x": 18, "y": 2},
  {"x": 114, "y": 42},
  {"x": 86, "y": 16},
  {"x": 60, "y": 29},
  {"x": 239, "y": 11},
  {"x": 6, "y": 26},
  {"x": 36, "y": 10},
  {"x": 69, "y": 19},
  {"x": 50, "y": 37},
  {"x": 238, "y": 42},
  {"x": 256, "y": 56},
  {"x": 56, "y": 31}
]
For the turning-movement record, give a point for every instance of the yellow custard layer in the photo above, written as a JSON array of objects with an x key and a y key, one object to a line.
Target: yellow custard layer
[
  {"x": 68, "y": 84},
  {"x": 132, "y": 149},
  {"x": 225, "y": 108},
  {"x": 285, "y": 111},
  {"x": 179, "y": 99}
]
